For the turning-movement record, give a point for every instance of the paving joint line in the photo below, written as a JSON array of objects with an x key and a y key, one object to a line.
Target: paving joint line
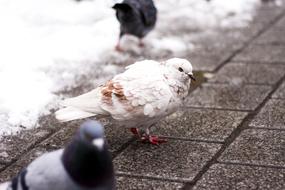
[
  {"x": 177, "y": 180},
  {"x": 234, "y": 62},
  {"x": 226, "y": 84},
  {"x": 133, "y": 139},
  {"x": 247, "y": 119},
  {"x": 268, "y": 129},
  {"x": 245, "y": 83},
  {"x": 192, "y": 139},
  {"x": 250, "y": 164},
  {"x": 217, "y": 109},
  {"x": 258, "y": 62},
  {"x": 270, "y": 43},
  {"x": 273, "y": 98}
]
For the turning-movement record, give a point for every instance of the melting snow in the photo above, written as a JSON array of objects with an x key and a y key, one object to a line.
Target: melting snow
[{"x": 46, "y": 44}]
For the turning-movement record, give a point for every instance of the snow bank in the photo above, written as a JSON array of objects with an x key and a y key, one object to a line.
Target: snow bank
[{"x": 46, "y": 44}]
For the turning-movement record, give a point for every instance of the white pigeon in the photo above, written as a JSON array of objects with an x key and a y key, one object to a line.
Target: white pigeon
[
  {"x": 85, "y": 164},
  {"x": 137, "y": 98}
]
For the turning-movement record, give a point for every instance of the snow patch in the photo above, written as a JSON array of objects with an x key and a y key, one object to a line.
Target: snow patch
[{"x": 173, "y": 44}]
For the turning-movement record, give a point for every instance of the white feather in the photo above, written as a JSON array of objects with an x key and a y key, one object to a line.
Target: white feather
[
  {"x": 4, "y": 186},
  {"x": 71, "y": 113},
  {"x": 83, "y": 106}
]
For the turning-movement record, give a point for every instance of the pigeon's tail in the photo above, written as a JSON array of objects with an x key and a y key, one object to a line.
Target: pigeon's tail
[
  {"x": 70, "y": 113},
  {"x": 4, "y": 186},
  {"x": 83, "y": 106}
]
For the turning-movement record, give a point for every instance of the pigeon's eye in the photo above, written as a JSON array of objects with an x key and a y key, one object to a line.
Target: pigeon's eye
[{"x": 180, "y": 69}]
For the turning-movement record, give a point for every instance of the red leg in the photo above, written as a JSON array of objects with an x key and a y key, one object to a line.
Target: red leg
[
  {"x": 141, "y": 44},
  {"x": 135, "y": 131},
  {"x": 118, "y": 46}
]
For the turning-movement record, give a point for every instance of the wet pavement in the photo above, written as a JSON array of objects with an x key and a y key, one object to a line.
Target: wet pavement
[{"x": 229, "y": 135}]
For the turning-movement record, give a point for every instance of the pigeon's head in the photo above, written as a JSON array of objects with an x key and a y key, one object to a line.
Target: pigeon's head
[
  {"x": 92, "y": 132},
  {"x": 124, "y": 11},
  {"x": 182, "y": 68},
  {"x": 87, "y": 159}
]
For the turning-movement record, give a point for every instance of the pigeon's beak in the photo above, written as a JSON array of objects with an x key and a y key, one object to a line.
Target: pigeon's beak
[
  {"x": 99, "y": 143},
  {"x": 191, "y": 76}
]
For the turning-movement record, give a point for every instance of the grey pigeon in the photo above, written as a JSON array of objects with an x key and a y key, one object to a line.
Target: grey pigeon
[
  {"x": 137, "y": 17},
  {"x": 85, "y": 164}
]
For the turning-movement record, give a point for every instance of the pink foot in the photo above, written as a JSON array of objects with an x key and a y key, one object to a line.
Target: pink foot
[{"x": 152, "y": 139}]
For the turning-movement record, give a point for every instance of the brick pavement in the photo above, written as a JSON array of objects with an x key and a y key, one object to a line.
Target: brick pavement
[{"x": 230, "y": 135}]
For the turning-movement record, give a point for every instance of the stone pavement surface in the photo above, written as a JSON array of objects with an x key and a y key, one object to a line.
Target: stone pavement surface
[{"x": 229, "y": 135}]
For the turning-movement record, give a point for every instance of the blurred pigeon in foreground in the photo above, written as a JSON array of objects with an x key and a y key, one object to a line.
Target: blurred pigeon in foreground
[
  {"x": 137, "y": 17},
  {"x": 146, "y": 92},
  {"x": 85, "y": 164}
]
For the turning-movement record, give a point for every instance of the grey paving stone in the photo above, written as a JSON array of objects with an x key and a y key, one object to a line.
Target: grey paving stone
[
  {"x": 204, "y": 62},
  {"x": 115, "y": 136},
  {"x": 262, "y": 53},
  {"x": 60, "y": 138},
  {"x": 249, "y": 73},
  {"x": 14, "y": 169},
  {"x": 272, "y": 115},
  {"x": 280, "y": 93},
  {"x": 281, "y": 23},
  {"x": 274, "y": 36},
  {"x": 173, "y": 160},
  {"x": 239, "y": 177},
  {"x": 219, "y": 45},
  {"x": 257, "y": 146},
  {"x": 209, "y": 52},
  {"x": 267, "y": 13},
  {"x": 128, "y": 183},
  {"x": 251, "y": 30},
  {"x": 234, "y": 96},
  {"x": 11, "y": 147},
  {"x": 212, "y": 125}
]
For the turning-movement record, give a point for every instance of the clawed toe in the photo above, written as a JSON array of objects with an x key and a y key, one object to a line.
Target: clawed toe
[
  {"x": 152, "y": 139},
  {"x": 146, "y": 138}
]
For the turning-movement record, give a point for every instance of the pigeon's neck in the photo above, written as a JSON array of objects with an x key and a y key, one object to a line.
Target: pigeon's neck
[
  {"x": 86, "y": 165},
  {"x": 180, "y": 89}
]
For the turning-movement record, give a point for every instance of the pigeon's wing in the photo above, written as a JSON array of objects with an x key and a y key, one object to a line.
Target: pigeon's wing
[
  {"x": 132, "y": 99},
  {"x": 91, "y": 101},
  {"x": 47, "y": 172},
  {"x": 148, "y": 12}
]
